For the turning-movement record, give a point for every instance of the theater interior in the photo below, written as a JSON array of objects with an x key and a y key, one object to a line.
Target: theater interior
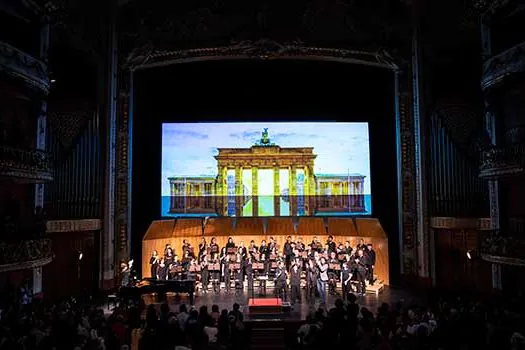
[{"x": 372, "y": 151}]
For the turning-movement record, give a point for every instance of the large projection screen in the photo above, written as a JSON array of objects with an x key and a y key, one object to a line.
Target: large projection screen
[{"x": 265, "y": 169}]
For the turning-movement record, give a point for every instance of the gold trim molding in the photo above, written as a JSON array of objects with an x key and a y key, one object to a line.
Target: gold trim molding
[
  {"x": 263, "y": 49},
  {"x": 56, "y": 226},
  {"x": 503, "y": 260},
  {"x": 26, "y": 265},
  {"x": 460, "y": 223}
]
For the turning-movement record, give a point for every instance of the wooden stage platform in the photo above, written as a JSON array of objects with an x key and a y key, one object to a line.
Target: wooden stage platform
[{"x": 174, "y": 231}]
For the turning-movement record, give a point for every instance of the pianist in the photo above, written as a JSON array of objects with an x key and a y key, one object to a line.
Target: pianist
[{"x": 125, "y": 275}]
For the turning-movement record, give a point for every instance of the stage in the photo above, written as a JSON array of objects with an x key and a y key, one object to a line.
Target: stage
[{"x": 298, "y": 311}]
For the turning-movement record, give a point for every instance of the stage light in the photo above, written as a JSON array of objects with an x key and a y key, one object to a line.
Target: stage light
[
  {"x": 470, "y": 254},
  {"x": 80, "y": 256},
  {"x": 53, "y": 81}
]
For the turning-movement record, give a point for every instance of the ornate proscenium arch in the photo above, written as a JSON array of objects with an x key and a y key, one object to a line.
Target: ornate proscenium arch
[
  {"x": 149, "y": 56},
  {"x": 263, "y": 49}
]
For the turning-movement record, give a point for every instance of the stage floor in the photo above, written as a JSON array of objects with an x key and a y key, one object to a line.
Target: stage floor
[{"x": 299, "y": 311}]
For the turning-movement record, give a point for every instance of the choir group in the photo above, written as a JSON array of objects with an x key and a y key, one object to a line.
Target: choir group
[{"x": 322, "y": 266}]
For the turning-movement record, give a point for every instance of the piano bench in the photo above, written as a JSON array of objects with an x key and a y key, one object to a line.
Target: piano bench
[{"x": 113, "y": 299}]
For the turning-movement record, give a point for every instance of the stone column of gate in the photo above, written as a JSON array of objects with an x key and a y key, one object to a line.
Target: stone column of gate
[
  {"x": 354, "y": 194},
  {"x": 219, "y": 184},
  {"x": 312, "y": 186},
  {"x": 345, "y": 194},
  {"x": 293, "y": 180},
  {"x": 220, "y": 181},
  {"x": 178, "y": 194},
  {"x": 238, "y": 191},
  {"x": 172, "y": 195},
  {"x": 306, "y": 190},
  {"x": 255, "y": 191},
  {"x": 361, "y": 194},
  {"x": 277, "y": 191},
  {"x": 334, "y": 194},
  {"x": 292, "y": 190}
]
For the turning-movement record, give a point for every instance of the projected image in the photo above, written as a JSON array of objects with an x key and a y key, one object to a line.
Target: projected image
[{"x": 265, "y": 169}]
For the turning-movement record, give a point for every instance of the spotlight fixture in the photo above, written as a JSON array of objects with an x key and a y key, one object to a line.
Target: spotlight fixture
[
  {"x": 470, "y": 254},
  {"x": 80, "y": 255}
]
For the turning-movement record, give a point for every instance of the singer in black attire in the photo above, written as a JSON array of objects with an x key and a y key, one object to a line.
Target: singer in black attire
[
  {"x": 361, "y": 263},
  {"x": 311, "y": 280},
  {"x": 227, "y": 281},
  {"x": 371, "y": 263},
  {"x": 346, "y": 285},
  {"x": 154, "y": 264},
  {"x": 162, "y": 271},
  {"x": 264, "y": 252},
  {"x": 249, "y": 275},
  {"x": 230, "y": 243},
  {"x": 205, "y": 276},
  {"x": 295, "y": 281},
  {"x": 331, "y": 246},
  {"x": 280, "y": 281},
  {"x": 288, "y": 252}
]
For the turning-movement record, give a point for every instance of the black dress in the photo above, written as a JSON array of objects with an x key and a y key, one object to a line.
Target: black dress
[
  {"x": 163, "y": 272},
  {"x": 154, "y": 264}
]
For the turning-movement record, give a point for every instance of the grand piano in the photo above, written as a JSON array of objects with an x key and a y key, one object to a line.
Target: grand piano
[{"x": 159, "y": 287}]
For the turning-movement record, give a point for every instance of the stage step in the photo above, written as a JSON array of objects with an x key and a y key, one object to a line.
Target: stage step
[
  {"x": 376, "y": 288},
  {"x": 267, "y": 338}
]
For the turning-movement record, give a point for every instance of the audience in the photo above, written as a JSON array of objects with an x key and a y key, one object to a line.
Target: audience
[{"x": 443, "y": 323}]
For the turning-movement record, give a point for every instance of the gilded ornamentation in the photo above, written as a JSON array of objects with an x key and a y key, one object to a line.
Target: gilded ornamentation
[
  {"x": 22, "y": 66},
  {"x": 451, "y": 223},
  {"x": 18, "y": 254},
  {"x": 67, "y": 126},
  {"x": 509, "y": 62},
  {"x": 55, "y": 226},
  {"x": 23, "y": 164},
  {"x": 169, "y": 25},
  {"x": 506, "y": 249},
  {"x": 505, "y": 161},
  {"x": 462, "y": 124},
  {"x": 122, "y": 170},
  {"x": 261, "y": 49},
  {"x": 408, "y": 200}
]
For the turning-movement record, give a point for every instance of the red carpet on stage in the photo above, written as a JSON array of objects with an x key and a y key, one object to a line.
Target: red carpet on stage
[{"x": 265, "y": 306}]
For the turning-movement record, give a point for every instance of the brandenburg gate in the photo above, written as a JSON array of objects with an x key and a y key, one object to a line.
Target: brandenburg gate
[
  {"x": 266, "y": 157},
  {"x": 318, "y": 192},
  {"x": 272, "y": 157}
]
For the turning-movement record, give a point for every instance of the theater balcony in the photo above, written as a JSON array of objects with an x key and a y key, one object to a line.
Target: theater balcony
[
  {"x": 23, "y": 67},
  {"x": 498, "y": 162},
  {"x": 506, "y": 64},
  {"x": 23, "y": 254},
  {"x": 504, "y": 250},
  {"x": 25, "y": 165}
]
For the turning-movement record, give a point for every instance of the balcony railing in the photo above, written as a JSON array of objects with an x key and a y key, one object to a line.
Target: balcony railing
[
  {"x": 506, "y": 250},
  {"x": 505, "y": 64},
  {"x": 25, "y": 165},
  {"x": 25, "y": 254},
  {"x": 20, "y": 65},
  {"x": 501, "y": 162}
]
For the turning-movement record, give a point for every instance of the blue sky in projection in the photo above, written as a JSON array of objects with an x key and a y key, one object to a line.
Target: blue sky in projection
[{"x": 188, "y": 148}]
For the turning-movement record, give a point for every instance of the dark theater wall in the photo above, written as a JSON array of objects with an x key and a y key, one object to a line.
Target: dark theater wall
[
  {"x": 67, "y": 274},
  {"x": 256, "y": 90}
]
